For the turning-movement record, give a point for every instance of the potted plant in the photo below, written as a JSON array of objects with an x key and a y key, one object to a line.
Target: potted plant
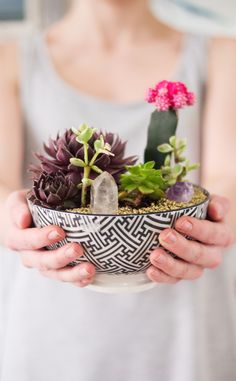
[{"x": 112, "y": 206}]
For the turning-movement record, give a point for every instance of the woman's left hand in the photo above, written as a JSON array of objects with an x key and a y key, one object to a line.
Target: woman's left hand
[{"x": 211, "y": 237}]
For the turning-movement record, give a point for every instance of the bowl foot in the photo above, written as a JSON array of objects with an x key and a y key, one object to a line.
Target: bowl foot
[{"x": 121, "y": 283}]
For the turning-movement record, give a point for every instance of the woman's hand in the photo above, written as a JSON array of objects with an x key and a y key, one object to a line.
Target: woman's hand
[
  {"x": 193, "y": 256},
  {"x": 29, "y": 242}
]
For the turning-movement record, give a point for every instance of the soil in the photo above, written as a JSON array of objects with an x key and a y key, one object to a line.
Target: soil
[{"x": 161, "y": 205}]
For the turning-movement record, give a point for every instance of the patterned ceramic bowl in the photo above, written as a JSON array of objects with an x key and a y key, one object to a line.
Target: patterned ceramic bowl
[{"x": 118, "y": 245}]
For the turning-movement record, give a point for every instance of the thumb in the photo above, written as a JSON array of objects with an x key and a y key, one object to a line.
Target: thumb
[
  {"x": 19, "y": 210},
  {"x": 218, "y": 208}
]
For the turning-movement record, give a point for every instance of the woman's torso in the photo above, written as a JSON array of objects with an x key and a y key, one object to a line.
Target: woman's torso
[{"x": 56, "y": 331}]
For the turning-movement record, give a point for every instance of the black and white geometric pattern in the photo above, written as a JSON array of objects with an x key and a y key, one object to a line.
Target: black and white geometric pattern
[{"x": 114, "y": 244}]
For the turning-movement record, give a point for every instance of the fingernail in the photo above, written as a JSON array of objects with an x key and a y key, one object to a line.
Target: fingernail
[
  {"x": 83, "y": 273},
  {"x": 54, "y": 235},
  {"x": 184, "y": 225},
  {"x": 70, "y": 252},
  {"x": 160, "y": 259},
  {"x": 168, "y": 237}
]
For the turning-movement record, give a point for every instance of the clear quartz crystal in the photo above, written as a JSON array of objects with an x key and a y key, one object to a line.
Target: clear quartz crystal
[{"x": 104, "y": 195}]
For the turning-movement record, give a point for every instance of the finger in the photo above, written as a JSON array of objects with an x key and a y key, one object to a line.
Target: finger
[
  {"x": 190, "y": 251},
  {"x": 176, "y": 268},
  {"x": 33, "y": 238},
  {"x": 18, "y": 208},
  {"x": 76, "y": 274},
  {"x": 218, "y": 208},
  {"x": 208, "y": 232},
  {"x": 156, "y": 275},
  {"x": 52, "y": 259}
]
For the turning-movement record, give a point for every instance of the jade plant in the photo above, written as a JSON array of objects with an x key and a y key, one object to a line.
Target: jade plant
[
  {"x": 83, "y": 136},
  {"x": 73, "y": 160},
  {"x": 176, "y": 166}
]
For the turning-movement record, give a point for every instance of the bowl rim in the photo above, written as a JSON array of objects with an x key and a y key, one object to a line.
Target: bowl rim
[{"x": 207, "y": 199}]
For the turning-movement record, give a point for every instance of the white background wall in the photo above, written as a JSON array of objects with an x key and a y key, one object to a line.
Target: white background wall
[{"x": 214, "y": 17}]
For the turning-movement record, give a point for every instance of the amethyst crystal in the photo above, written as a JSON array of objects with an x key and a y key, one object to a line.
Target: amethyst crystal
[
  {"x": 180, "y": 192},
  {"x": 63, "y": 148},
  {"x": 54, "y": 190}
]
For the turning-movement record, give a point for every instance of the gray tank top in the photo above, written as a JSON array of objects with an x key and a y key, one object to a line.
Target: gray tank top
[
  {"x": 58, "y": 332},
  {"x": 50, "y": 104}
]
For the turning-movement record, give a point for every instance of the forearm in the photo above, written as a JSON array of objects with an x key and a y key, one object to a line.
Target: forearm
[
  {"x": 224, "y": 187},
  {"x": 219, "y": 131},
  {"x": 11, "y": 130},
  {"x": 4, "y": 215}
]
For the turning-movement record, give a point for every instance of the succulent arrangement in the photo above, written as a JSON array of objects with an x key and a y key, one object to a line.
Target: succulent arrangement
[
  {"x": 72, "y": 162},
  {"x": 67, "y": 170}
]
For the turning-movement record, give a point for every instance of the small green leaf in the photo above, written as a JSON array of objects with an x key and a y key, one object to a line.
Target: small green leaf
[
  {"x": 107, "y": 147},
  {"x": 182, "y": 144},
  {"x": 180, "y": 150},
  {"x": 98, "y": 144},
  {"x": 157, "y": 194},
  {"x": 171, "y": 182},
  {"x": 177, "y": 169},
  {"x": 106, "y": 152},
  {"x": 86, "y": 135},
  {"x": 172, "y": 141},
  {"x": 167, "y": 160},
  {"x": 77, "y": 162},
  {"x": 96, "y": 169},
  {"x": 83, "y": 127},
  {"x": 165, "y": 148},
  {"x": 165, "y": 170},
  {"x": 193, "y": 166},
  {"x": 181, "y": 159},
  {"x": 145, "y": 190},
  {"x": 101, "y": 147},
  {"x": 75, "y": 131},
  {"x": 130, "y": 187},
  {"x": 79, "y": 140},
  {"x": 134, "y": 170},
  {"x": 149, "y": 164}
]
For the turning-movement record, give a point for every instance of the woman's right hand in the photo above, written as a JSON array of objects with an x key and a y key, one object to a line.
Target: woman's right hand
[{"x": 30, "y": 244}]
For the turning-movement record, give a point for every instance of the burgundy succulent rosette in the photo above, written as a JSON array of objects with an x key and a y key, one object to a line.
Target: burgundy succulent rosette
[
  {"x": 56, "y": 179},
  {"x": 55, "y": 190}
]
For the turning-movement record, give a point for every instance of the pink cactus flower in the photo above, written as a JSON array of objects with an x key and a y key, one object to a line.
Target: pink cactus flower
[
  {"x": 170, "y": 95},
  {"x": 151, "y": 95}
]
